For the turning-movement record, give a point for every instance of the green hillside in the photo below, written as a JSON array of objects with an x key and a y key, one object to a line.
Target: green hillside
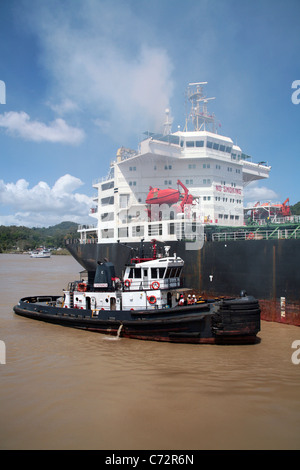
[{"x": 13, "y": 238}]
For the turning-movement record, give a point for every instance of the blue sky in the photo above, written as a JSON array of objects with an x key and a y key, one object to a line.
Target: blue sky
[{"x": 84, "y": 77}]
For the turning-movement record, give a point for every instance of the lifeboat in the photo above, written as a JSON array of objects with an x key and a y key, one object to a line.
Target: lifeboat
[
  {"x": 169, "y": 196},
  {"x": 162, "y": 196}
]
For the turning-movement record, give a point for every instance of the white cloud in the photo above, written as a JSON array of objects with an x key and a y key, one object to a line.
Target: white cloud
[
  {"x": 255, "y": 193},
  {"x": 19, "y": 124},
  {"x": 102, "y": 57},
  {"x": 64, "y": 107},
  {"x": 42, "y": 205}
]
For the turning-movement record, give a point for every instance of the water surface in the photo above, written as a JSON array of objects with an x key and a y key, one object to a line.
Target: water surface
[{"x": 63, "y": 388}]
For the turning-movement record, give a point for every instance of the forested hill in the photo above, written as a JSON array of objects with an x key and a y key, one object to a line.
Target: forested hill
[{"x": 25, "y": 239}]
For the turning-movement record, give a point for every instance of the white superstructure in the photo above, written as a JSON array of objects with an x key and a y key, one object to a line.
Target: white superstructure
[{"x": 212, "y": 168}]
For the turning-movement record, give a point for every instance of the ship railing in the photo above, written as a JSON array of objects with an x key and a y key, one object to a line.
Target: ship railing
[
  {"x": 152, "y": 284},
  {"x": 88, "y": 241},
  {"x": 83, "y": 241},
  {"x": 86, "y": 227},
  {"x": 295, "y": 219},
  {"x": 277, "y": 233}
]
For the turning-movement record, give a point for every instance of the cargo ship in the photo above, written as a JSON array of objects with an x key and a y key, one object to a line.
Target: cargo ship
[{"x": 185, "y": 189}]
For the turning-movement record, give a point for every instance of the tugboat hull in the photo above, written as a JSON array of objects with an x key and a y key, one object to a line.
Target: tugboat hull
[{"x": 235, "y": 321}]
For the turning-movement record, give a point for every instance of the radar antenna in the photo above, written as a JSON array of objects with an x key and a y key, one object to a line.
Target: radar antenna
[
  {"x": 201, "y": 119},
  {"x": 168, "y": 123}
]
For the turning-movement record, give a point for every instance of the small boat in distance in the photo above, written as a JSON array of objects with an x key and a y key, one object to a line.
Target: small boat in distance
[
  {"x": 148, "y": 304},
  {"x": 41, "y": 252}
]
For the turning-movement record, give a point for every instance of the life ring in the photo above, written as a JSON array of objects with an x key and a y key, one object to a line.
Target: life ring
[
  {"x": 127, "y": 283},
  {"x": 155, "y": 285},
  {"x": 152, "y": 299},
  {"x": 250, "y": 236},
  {"x": 81, "y": 287}
]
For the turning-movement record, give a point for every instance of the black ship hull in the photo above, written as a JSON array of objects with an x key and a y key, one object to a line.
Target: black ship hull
[
  {"x": 269, "y": 269},
  {"x": 236, "y": 321}
]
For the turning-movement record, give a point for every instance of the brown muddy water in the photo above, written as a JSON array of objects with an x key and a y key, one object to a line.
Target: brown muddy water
[{"x": 62, "y": 388}]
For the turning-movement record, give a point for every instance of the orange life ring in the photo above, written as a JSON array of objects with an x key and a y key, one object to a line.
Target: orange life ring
[
  {"x": 155, "y": 285},
  {"x": 81, "y": 287},
  {"x": 250, "y": 236},
  {"x": 127, "y": 283},
  {"x": 152, "y": 299}
]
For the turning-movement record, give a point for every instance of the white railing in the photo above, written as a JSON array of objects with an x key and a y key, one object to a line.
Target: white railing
[
  {"x": 83, "y": 228},
  {"x": 258, "y": 235},
  {"x": 294, "y": 219}
]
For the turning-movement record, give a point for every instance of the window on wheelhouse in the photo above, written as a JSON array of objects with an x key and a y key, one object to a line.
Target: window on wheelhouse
[
  {"x": 135, "y": 273},
  {"x": 173, "y": 272},
  {"x": 158, "y": 273}
]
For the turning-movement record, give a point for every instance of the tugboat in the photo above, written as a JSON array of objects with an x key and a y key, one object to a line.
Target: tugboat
[{"x": 147, "y": 304}]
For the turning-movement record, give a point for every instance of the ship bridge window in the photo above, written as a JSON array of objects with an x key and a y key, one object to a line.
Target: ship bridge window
[
  {"x": 108, "y": 185},
  {"x": 190, "y": 143},
  {"x": 130, "y": 275},
  {"x": 135, "y": 273},
  {"x": 107, "y": 216},
  {"x": 107, "y": 200},
  {"x": 157, "y": 273},
  {"x": 124, "y": 200},
  {"x": 209, "y": 144},
  {"x": 173, "y": 272},
  {"x": 123, "y": 232},
  {"x": 215, "y": 146},
  {"x": 137, "y": 231},
  {"x": 199, "y": 143},
  {"x": 154, "y": 230},
  {"x": 107, "y": 233}
]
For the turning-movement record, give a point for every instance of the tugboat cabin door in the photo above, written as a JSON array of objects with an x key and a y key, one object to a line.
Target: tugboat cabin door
[{"x": 90, "y": 303}]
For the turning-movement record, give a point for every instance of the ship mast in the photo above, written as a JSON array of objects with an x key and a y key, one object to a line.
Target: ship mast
[{"x": 201, "y": 119}]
